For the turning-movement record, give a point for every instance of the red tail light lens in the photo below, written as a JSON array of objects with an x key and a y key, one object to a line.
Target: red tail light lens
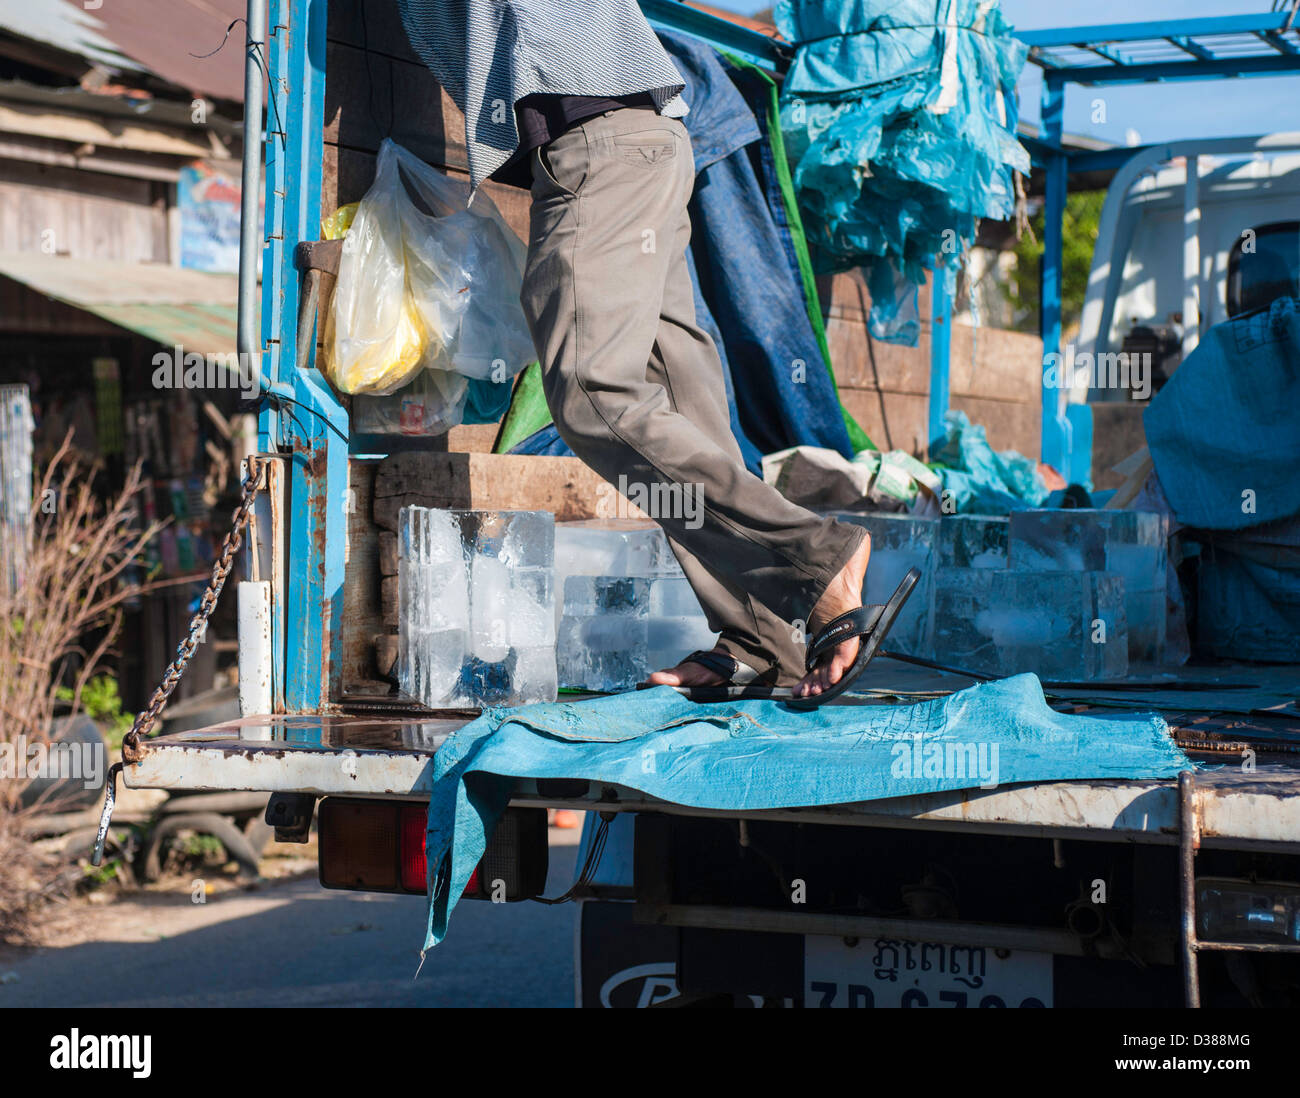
[{"x": 415, "y": 864}]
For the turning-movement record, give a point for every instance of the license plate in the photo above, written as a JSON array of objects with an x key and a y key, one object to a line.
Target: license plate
[{"x": 893, "y": 972}]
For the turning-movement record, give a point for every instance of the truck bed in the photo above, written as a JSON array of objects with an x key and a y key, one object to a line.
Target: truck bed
[{"x": 370, "y": 756}]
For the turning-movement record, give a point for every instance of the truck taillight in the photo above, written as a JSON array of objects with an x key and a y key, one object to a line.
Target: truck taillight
[
  {"x": 379, "y": 846},
  {"x": 373, "y": 846},
  {"x": 359, "y": 843},
  {"x": 415, "y": 865}
]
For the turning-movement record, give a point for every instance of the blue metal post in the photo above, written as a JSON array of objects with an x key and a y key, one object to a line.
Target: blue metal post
[
  {"x": 940, "y": 352},
  {"x": 1055, "y": 444},
  {"x": 312, "y": 430}
]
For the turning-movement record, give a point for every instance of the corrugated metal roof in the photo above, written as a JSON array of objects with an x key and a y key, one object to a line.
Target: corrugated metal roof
[
  {"x": 158, "y": 36},
  {"x": 171, "y": 305},
  {"x": 66, "y": 27}
]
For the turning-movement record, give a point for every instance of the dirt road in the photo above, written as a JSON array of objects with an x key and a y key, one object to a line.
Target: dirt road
[{"x": 292, "y": 943}]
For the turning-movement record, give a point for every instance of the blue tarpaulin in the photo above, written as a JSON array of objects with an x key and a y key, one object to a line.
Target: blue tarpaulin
[
  {"x": 900, "y": 116},
  {"x": 754, "y": 755},
  {"x": 1224, "y": 431}
]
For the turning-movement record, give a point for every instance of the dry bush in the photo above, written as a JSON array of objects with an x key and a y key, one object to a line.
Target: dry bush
[{"x": 74, "y": 582}]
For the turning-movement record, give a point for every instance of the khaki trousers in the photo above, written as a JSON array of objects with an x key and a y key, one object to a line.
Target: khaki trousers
[{"x": 636, "y": 388}]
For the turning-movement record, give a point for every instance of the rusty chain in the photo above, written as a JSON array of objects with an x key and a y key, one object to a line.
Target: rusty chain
[{"x": 145, "y": 720}]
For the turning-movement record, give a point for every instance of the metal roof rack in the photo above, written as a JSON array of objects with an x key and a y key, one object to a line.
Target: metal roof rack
[{"x": 1167, "y": 49}]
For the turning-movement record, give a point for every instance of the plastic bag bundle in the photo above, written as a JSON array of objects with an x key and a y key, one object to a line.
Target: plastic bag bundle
[
  {"x": 899, "y": 117},
  {"x": 431, "y": 404},
  {"x": 979, "y": 480},
  {"x": 425, "y": 282}
]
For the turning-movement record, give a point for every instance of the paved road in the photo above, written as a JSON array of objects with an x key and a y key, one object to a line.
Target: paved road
[{"x": 292, "y": 943}]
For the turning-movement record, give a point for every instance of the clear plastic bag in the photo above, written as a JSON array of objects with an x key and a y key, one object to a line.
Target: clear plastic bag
[
  {"x": 432, "y": 404},
  {"x": 425, "y": 281}
]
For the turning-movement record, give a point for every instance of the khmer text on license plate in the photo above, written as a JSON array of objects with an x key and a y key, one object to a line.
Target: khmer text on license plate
[{"x": 893, "y": 972}]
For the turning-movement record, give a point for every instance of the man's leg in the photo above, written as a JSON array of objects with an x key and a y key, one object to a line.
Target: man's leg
[
  {"x": 607, "y": 229},
  {"x": 749, "y": 630}
]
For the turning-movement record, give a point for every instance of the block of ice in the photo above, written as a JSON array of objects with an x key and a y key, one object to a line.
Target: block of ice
[
  {"x": 613, "y": 547},
  {"x": 626, "y": 608},
  {"x": 1131, "y": 544},
  {"x": 675, "y": 625},
  {"x": 433, "y": 600},
  {"x": 602, "y": 639},
  {"x": 476, "y": 607},
  {"x": 1063, "y": 626},
  {"x": 617, "y": 629},
  {"x": 972, "y": 541},
  {"x": 900, "y": 542}
]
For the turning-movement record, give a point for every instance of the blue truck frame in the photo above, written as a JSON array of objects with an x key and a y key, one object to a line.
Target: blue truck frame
[{"x": 303, "y": 419}]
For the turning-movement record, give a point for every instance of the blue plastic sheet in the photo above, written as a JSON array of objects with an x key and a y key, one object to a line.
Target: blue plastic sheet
[
  {"x": 1224, "y": 432},
  {"x": 900, "y": 116},
  {"x": 754, "y": 755},
  {"x": 979, "y": 480}
]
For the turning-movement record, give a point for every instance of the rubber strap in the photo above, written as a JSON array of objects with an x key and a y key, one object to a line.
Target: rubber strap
[
  {"x": 858, "y": 622},
  {"x": 724, "y": 664}
]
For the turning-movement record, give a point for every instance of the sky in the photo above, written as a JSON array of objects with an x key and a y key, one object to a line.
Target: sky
[{"x": 1157, "y": 112}]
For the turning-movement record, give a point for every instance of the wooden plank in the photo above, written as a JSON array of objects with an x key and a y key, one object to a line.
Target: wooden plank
[
  {"x": 985, "y": 362},
  {"x": 377, "y": 27},
  {"x": 346, "y": 175},
  {"x": 895, "y": 421},
  {"x": 473, "y": 438},
  {"x": 387, "y": 553},
  {"x": 500, "y": 482},
  {"x": 427, "y": 122},
  {"x": 1007, "y": 426},
  {"x": 389, "y": 607},
  {"x": 1117, "y": 432},
  {"x": 87, "y": 215},
  {"x": 359, "y": 103},
  {"x": 361, "y": 615},
  {"x": 996, "y": 364},
  {"x": 369, "y": 97},
  {"x": 865, "y": 363}
]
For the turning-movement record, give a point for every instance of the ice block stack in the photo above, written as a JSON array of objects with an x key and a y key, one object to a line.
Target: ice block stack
[
  {"x": 626, "y": 607},
  {"x": 1129, "y": 544},
  {"x": 477, "y": 607},
  {"x": 900, "y": 542},
  {"x": 1063, "y": 626},
  {"x": 612, "y": 547},
  {"x": 972, "y": 541}
]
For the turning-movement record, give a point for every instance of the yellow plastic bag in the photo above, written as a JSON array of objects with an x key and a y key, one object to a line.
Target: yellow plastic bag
[
  {"x": 337, "y": 224},
  {"x": 374, "y": 339}
]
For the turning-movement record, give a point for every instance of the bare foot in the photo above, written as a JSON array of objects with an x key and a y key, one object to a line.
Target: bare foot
[
  {"x": 688, "y": 673},
  {"x": 843, "y": 594}
]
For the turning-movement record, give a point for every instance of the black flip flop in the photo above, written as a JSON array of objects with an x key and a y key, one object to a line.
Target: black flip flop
[{"x": 871, "y": 624}]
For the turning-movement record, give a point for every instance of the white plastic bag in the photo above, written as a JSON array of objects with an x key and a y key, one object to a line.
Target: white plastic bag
[{"x": 425, "y": 281}]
